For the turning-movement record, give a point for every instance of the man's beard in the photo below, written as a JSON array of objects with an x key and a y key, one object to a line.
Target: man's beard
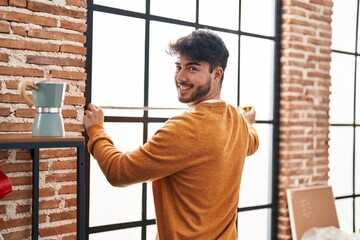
[{"x": 200, "y": 92}]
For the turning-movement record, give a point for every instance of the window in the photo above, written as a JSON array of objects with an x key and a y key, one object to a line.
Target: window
[
  {"x": 128, "y": 69},
  {"x": 345, "y": 114}
]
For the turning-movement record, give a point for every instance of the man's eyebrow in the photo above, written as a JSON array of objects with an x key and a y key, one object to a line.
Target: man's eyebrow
[{"x": 189, "y": 63}]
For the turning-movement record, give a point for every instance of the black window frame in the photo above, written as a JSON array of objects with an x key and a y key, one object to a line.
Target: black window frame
[{"x": 273, "y": 206}]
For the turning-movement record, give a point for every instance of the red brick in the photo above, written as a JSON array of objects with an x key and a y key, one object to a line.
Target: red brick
[
  {"x": 21, "y": 71},
  {"x": 301, "y": 4},
  {"x": 19, "y": 234},
  {"x": 21, "y": 180},
  {"x": 69, "y": 164},
  {"x": 68, "y": 113},
  {"x": 4, "y": 57},
  {"x": 57, "y": 153},
  {"x": 74, "y": 100},
  {"x": 56, "y": 10},
  {"x": 4, "y": 2},
  {"x": 64, "y": 215},
  {"x": 4, "y": 112},
  {"x": 71, "y": 202},
  {"x": 19, "y": 194},
  {"x": 19, "y": 30},
  {"x": 57, "y": 230},
  {"x": 4, "y": 27},
  {"x": 70, "y": 127},
  {"x": 80, "y": 27},
  {"x": 28, "y": 45},
  {"x": 14, "y": 222},
  {"x": 23, "y": 208},
  {"x": 17, "y": 167},
  {"x": 22, "y": 155},
  {"x": 68, "y": 75},
  {"x": 3, "y": 155},
  {"x": 49, "y": 204},
  {"x": 40, "y": 60},
  {"x": 70, "y": 237},
  {"x": 82, "y": 88},
  {"x": 79, "y": 3},
  {"x": 13, "y": 84},
  {"x": 2, "y": 209},
  {"x": 73, "y": 49},
  {"x": 47, "y": 192},
  {"x": 27, "y": 113},
  {"x": 68, "y": 189},
  {"x": 10, "y": 98},
  {"x": 17, "y": 3},
  {"x": 43, "y": 34},
  {"x": 28, "y": 18},
  {"x": 61, "y": 177},
  {"x": 323, "y": 2},
  {"x": 15, "y": 127}
]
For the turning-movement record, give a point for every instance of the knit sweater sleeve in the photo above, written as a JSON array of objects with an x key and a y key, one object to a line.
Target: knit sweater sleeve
[
  {"x": 155, "y": 159},
  {"x": 253, "y": 140}
]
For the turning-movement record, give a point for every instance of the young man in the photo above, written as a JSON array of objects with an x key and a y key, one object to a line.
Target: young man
[{"x": 195, "y": 160}]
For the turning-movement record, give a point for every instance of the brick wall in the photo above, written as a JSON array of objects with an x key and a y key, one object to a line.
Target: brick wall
[
  {"x": 304, "y": 106},
  {"x": 37, "y": 38}
]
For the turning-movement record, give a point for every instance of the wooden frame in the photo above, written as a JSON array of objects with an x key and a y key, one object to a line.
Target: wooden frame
[{"x": 311, "y": 207}]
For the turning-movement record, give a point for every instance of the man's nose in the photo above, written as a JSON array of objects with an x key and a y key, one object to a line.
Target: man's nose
[{"x": 180, "y": 76}]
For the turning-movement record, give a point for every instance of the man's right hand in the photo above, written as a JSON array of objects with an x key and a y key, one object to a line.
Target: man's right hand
[{"x": 93, "y": 115}]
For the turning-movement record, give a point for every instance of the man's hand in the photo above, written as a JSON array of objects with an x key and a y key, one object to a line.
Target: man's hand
[
  {"x": 249, "y": 114},
  {"x": 93, "y": 115}
]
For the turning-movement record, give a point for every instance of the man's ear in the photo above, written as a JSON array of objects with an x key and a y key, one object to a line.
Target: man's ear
[{"x": 218, "y": 73}]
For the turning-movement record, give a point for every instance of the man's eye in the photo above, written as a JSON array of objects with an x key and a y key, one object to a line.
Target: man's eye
[{"x": 192, "y": 68}]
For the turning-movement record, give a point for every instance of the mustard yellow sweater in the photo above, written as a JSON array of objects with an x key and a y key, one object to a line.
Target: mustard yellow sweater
[{"x": 195, "y": 162}]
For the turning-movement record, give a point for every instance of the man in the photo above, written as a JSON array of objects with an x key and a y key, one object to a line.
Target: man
[{"x": 195, "y": 160}]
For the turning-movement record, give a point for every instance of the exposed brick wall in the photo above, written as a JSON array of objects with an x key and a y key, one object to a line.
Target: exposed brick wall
[
  {"x": 37, "y": 38},
  {"x": 304, "y": 106}
]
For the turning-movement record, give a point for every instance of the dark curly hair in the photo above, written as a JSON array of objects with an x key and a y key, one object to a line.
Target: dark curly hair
[{"x": 201, "y": 45}]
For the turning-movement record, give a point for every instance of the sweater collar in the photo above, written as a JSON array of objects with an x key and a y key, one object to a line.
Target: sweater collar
[{"x": 207, "y": 101}]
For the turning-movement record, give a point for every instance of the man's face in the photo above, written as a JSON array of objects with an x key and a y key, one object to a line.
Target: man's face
[{"x": 193, "y": 80}]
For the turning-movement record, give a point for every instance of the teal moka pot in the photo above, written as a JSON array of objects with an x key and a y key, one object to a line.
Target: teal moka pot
[{"x": 48, "y": 99}]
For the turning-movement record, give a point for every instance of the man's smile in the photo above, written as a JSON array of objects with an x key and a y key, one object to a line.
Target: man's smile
[{"x": 182, "y": 87}]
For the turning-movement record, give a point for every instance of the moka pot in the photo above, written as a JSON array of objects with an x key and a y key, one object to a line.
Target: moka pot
[{"x": 48, "y": 99}]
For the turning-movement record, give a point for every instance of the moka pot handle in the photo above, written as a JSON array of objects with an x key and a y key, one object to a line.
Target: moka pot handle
[{"x": 22, "y": 88}]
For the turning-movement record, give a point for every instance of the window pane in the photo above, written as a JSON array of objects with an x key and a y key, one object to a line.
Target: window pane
[
  {"x": 357, "y": 214},
  {"x": 263, "y": 21},
  {"x": 131, "y": 5},
  {"x": 152, "y": 128},
  {"x": 162, "y": 89},
  {"x": 122, "y": 204},
  {"x": 230, "y": 82},
  {"x": 342, "y": 88},
  {"x": 256, "y": 69},
  {"x": 254, "y": 224},
  {"x": 344, "y": 209},
  {"x": 130, "y": 233},
  {"x": 340, "y": 157},
  {"x": 224, "y": 14},
  {"x": 151, "y": 232},
  {"x": 181, "y": 10},
  {"x": 118, "y": 67},
  {"x": 344, "y": 25},
  {"x": 357, "y": 119},
  {"x": 256, "y": 180},
  {"x": 357, "y": 161},
  {"x": 150, "y": 202}
]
